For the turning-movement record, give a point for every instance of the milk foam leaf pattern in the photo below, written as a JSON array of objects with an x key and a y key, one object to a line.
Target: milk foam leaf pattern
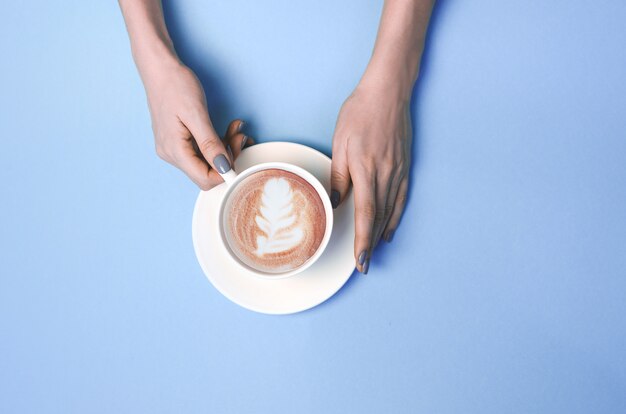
[{"x": 276, "y": 217}]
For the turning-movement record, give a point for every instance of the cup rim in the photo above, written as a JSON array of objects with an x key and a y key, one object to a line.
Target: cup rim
[{"x": 313, "y": 181}]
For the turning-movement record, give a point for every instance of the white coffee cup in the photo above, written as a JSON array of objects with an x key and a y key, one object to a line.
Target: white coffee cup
[{"x": 232, "y": 179}]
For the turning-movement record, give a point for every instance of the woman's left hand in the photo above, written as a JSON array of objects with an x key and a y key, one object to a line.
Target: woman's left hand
[{"x": 372, "y": 150}]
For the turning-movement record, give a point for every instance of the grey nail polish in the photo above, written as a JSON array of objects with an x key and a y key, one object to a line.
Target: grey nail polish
[
  {"x": 366, "y": 266},
  {"x": 389, "y": 236},
  {"x": 221, "y": 164},
  {"x": 243, "y": 141},
  {"x": 362, "y": 257},
  {"x": 334, "y": 198},
  {"x": 240, "y": 127}
]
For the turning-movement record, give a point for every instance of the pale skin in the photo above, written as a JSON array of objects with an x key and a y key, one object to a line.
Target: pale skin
[{"x": 371, "y": 148}]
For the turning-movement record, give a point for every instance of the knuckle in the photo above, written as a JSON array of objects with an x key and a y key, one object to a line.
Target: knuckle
[
  {"x": 370, "y": 163},
  {"x": 385, "y": 174},
  {"x": 205, "y": 185},
  {"x": 364, "y": 169},
  {"x": 209, "y": 145},
  {"x": 367, "y": 211},
  {"x": 338, "y": 176},
  {"x": 388, "y": 158}
]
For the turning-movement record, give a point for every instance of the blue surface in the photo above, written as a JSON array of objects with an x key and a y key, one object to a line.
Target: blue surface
[{"x": 503, "y": 290}]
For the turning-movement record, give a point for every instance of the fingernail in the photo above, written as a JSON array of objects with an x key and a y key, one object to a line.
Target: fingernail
[
  {"x": 230, "y": 151},
  {"x": 362, "y": 257},
  {"x": 366, "y": 266},
  {"x": 389, "y": 236},
  {"x": 240, "y": 127},
  {"x": 334, "y": 198},
  {"x": 221, "y": 164},
  {"x": 243, "y": 141}
]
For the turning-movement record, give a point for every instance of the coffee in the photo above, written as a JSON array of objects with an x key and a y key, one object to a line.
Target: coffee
[{"x": 274, "y": 221}]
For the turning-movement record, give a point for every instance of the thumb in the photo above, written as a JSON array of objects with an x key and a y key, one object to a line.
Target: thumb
[
  {"x": 209, "y": 143},
  {"x": 339, "y": 176}
]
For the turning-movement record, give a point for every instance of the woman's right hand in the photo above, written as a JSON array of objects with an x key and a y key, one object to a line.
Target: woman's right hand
[{"x": 183, "y": 132}]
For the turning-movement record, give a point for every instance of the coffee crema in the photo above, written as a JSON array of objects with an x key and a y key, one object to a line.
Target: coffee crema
[{"x": 274, "y": 221}]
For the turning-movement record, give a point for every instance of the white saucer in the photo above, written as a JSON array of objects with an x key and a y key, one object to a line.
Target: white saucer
[{"x": 282, "y": 296}]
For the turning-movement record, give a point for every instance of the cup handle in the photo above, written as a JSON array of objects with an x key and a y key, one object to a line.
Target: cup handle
[{"x": 229, "y": 176}]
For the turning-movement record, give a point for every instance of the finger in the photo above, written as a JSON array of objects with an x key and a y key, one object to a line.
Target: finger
[
  {"x": 238, "y": 142},
  {"x": 233, "y": 128},
  {"x": 339, "y": 173},
  {"x": 393, "y": 185},
  {"x": 398, "y": 208},
  {"x": 389, "y": 206},
  {"x": 383, "y": 207},
  {"x": 232, "y": 141},
  {"x": 364, "y": 215},
  {"x": 195, "y": 167},
  {"x": 209, "y": 143}
]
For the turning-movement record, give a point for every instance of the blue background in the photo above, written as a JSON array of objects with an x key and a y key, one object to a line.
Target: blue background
[{"x": 503, "y": 290}]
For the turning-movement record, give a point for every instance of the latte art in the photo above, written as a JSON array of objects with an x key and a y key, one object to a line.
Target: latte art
[
  {"x": 274, "y": 221},
  {"x": 276, "y": 217}
]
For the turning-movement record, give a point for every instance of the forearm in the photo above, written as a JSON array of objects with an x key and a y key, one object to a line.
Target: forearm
[
  {"x": 394, "y": 65},
  {"x": 150, "y": 42}
]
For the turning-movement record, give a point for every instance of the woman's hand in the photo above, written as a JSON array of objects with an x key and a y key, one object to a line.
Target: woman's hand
[
  {"x": 184, "y": 135},
  {"x": 372, "y": 140},
  {"x": 372, "y": 149},
  {"x": 183, "y": 132}
]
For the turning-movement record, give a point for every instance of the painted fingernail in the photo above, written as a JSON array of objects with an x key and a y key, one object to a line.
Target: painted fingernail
[
  {"x": 240, "y": 127},
  {"x": 230, "y": 151},
  {"x": 221, "y": 164},
  {"x": 334, "y": 198},
  {"x": 389, "y": 236},
  {"x": 362, "y": 257},
  {"x": 366, "y": 266},
  {"x": 243, "y": 141}
]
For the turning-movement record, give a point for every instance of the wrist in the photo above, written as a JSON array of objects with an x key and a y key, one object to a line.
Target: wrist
[
  {"x": 154, "y": 57},
  {"x": 392, "y": 84}
]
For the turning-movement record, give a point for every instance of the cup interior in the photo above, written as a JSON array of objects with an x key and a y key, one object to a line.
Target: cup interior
[{"x": 226, "y": 209}]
